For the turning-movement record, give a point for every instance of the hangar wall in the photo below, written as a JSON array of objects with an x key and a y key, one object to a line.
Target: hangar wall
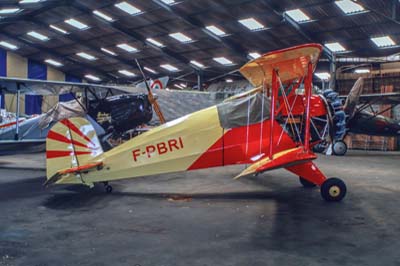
[{"x": 13, "y": 65}]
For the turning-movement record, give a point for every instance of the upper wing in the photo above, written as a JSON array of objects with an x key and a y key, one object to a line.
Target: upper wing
[
  {"x": 44, "y": 87},
  {"x": 291, "y": 63},
  {"x": 379, "y": 98}
]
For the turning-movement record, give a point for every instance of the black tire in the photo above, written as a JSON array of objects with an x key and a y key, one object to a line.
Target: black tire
[
  {"x": 333, "y": 189},
  {"x": 108, "y": 188},
  {"x": 306, "y": 183},
  {"x": 339, "y": 148},
  {"x": 319, "y": 148}
]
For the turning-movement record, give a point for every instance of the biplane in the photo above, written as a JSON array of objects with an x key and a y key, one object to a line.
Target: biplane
[
  {"x": 265, "y": 128},
  {"x": 355, "y": 113},
  {"x": 122, "y": 110}
]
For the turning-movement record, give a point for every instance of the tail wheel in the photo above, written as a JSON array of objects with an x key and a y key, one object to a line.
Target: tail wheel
[
  {"x": 333, "y": 189},
  {"x": 306, "y": 183},
  {"x": 107, "y": 187},
  {"x": 339, "y": 148}
]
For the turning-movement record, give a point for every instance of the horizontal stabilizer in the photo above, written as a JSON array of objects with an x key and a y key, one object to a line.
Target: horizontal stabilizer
[
  {"x": 74, "y": 170},
  {"x": 281, "y": 159}
]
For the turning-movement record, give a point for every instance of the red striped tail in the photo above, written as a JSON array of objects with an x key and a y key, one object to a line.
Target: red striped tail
[{"x": 71, "y": 143}]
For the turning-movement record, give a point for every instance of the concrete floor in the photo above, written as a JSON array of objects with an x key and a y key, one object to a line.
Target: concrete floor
[{"x": 264, "y": 220}]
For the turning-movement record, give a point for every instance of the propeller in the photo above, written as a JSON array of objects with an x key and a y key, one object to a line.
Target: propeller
[{"x": 353, "y": 98}]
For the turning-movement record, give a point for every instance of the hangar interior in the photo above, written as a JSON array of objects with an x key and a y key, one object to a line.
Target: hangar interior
[{"x": 195, "y": 51}]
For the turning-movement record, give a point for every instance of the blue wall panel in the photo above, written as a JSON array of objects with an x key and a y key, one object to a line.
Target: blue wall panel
[
  {"x": 70, "y": 78},
  {"x": 33, "y": 103},
  {"x": 69, "y": 96}
]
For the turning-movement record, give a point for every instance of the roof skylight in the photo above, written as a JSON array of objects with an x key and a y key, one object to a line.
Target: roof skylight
[
  {"x": 223, "y": 61},
  {"x": 335, "y": 47},
  {"x": 77, "y": 24},
  {"x": 383, "y": 42},
  {"x": 30, "y": 1},
  {"x": 103, "y": 16},
  {"x": 254, "y": 55},
  {"x": 92, "y": 77},
  {"x": 216, "y": 30},
  {"x": 349, "y": 7},
  {"x": 86, "y": 56},
  {"x": 155, "y": 42},
  {"x": 5, "y": 11},
  {"x": 181, "y": 37},
  {"x": 58, "y": 29},
  {"x": 298, "y": 15},
  {"x": 128, "y": 8},
  {"x": 8, "y": 45},
  {"x": 150, "y": 70},
  {"x": 53, "y": 62},
  {"x": 168, "y": 2},
  {"x": 38, "y": 36},
  {"x": 127, "y": 47},
  {"x": 108, "y": 51},
  {"x": 126, "y": 73},
  {"x": 252, "y": 24},
  {"x": 170, "y": 67},
  {"x": 178, "y": 86},
  {"x": 194, "y": 62}
]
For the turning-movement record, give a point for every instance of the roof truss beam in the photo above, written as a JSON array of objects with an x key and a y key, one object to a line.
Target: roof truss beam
[
  {"x": 136, "y": 36},
  {"x": 234, "y": 47}
]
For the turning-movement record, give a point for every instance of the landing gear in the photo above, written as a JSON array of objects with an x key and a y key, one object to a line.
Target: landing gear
[
  {"x": 306, "y": 183},
  {"x": 319, "y": 148},
  {"x": 333, "y": 189},
  {"x": 339, "y": 148},
  {"x": 107, "y": 187}
]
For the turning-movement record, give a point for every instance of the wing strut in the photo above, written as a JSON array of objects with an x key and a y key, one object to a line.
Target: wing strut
[
  {"x": 274, "y": 96},
  {"x": 308, "y": 88}
]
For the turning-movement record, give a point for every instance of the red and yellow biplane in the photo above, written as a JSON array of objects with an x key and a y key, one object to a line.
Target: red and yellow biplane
[{"x": 267, "y": 128}]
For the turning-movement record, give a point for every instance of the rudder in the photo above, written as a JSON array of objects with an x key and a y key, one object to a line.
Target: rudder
[{"x": 71, "y": 143}]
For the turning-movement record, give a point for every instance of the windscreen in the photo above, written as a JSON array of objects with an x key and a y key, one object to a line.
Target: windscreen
[{"x": 243, "y": 111}]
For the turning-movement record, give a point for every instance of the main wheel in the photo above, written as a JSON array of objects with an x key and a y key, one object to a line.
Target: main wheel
[
  {"x": 306, "y": 183},
  {"x": 339, "y": 148},
  {"x": 333, "y": 189}
]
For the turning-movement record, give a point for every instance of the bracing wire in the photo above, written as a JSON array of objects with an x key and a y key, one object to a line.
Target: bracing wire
[{"x": 289, "y": 111}]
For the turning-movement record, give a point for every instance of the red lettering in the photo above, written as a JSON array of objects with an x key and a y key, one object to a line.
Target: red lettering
[
  {"x": 135, "y": 154},
  {"x": 149, "y": 150},
  {"x": 162, "y": 148},
  {"x": 173, "y": 143},
  {"x": 181, "y": 142}
]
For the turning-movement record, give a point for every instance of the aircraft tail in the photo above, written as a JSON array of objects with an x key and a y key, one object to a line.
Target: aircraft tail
[{"x": 71, "y": 146}]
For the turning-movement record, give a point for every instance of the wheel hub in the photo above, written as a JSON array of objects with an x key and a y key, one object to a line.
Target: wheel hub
[{"x": 334, "y": 191}]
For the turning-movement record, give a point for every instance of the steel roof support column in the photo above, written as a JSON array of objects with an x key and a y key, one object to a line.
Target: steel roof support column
[
  {"x": 395, "y": 9},
  {"x": 199, "y": 80},
  {"x": 332, "y": 83}
]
